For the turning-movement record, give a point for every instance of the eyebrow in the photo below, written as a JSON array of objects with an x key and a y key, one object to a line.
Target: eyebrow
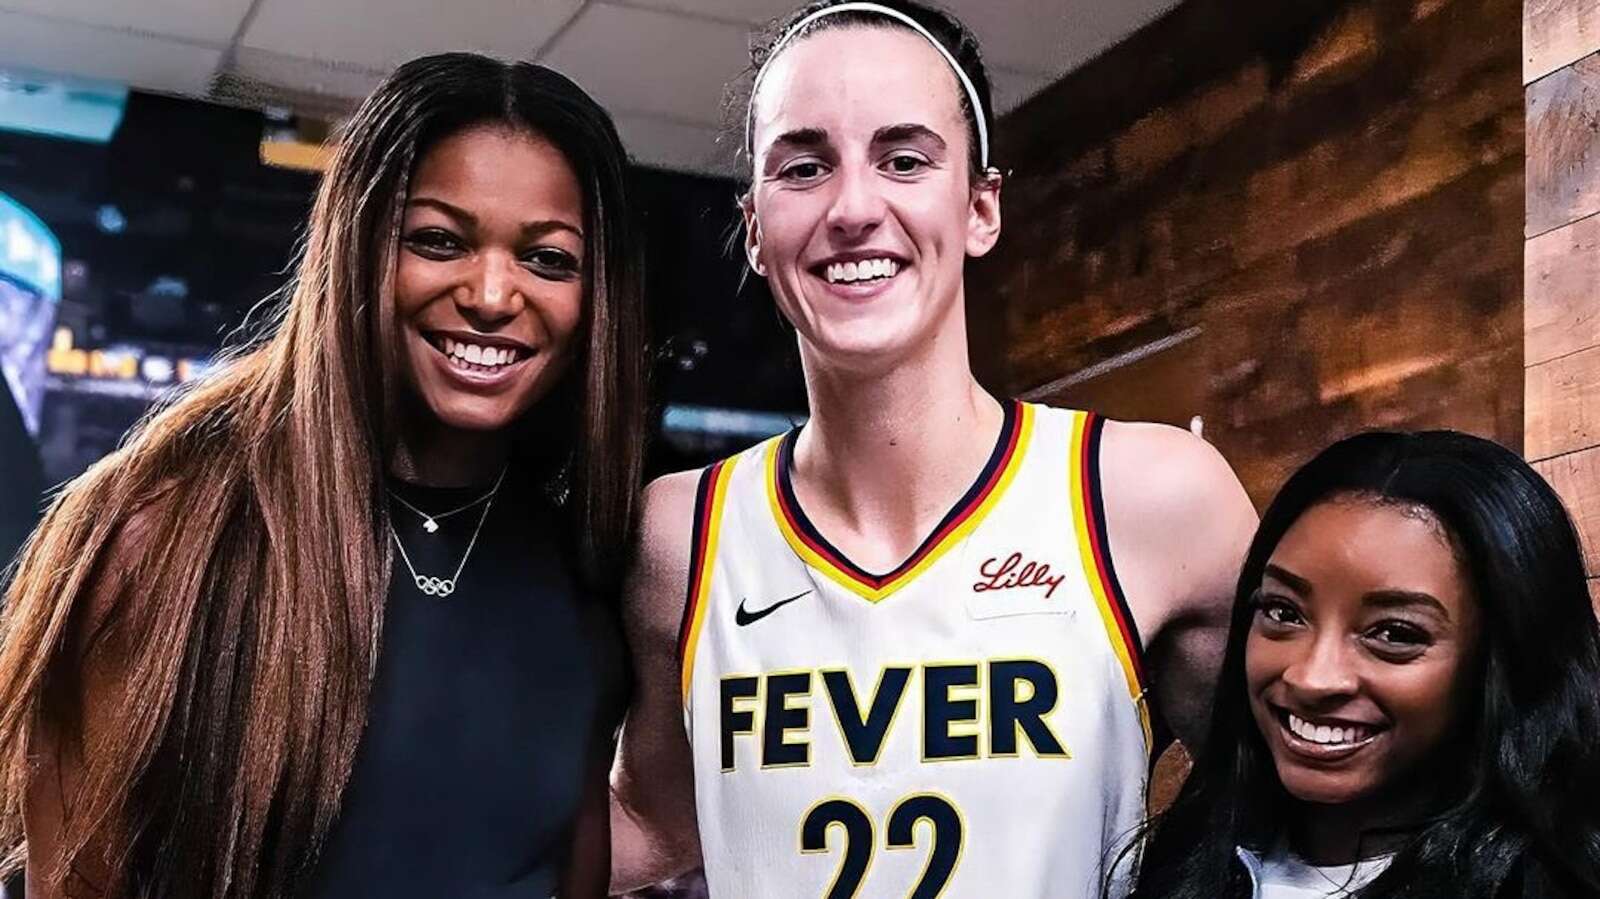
[
  {"x": 1398, "y": 599},
  {"x": 1295, "y": 581},
  {"x": 908, "y": 131},
  {"x": 538, "y": 226},
  {"x": 1381, "y": 599},
  {"x": 802, "y": 138}
]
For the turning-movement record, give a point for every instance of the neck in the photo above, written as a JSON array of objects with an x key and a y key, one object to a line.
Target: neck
[
  {"x": 1349, "y": 832},
  {"x": 433, "y": 455},
  {"x": 892, "y": 444}
]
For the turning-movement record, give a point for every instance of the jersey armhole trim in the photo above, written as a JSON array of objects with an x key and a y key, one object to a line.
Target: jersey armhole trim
[
  {"x": 1100, "y": 571},
  {"x": 708, "y": 503}
]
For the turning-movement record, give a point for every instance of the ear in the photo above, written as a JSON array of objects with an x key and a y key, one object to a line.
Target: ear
[
  {"x": 983, "y": 214},
  {"x": 752, "y": 234}
]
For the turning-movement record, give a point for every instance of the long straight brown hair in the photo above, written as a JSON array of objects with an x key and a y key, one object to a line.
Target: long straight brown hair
[{"x": 249, "y": 608}]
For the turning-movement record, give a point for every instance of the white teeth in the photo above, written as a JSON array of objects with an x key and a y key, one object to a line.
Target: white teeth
[
  {"x": 477, "y": 355},
  {"x": 863, "y": 270},
  {"x": 1326, "y": 735}
]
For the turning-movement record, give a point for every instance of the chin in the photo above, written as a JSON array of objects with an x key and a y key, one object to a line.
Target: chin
[
  {"x": 1322, "y": 787},
  {"x": 470, "y": 414},
  {"x": 868, "y": 344}
]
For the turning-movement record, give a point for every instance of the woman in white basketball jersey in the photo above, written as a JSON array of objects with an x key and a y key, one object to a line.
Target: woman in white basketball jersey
[{"x": 927, "y": 644}]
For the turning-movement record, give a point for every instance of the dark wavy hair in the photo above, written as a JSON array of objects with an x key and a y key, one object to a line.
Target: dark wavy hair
[
  {"x": 950, "y": 31},
  {"x": 1518, "y": 803}
]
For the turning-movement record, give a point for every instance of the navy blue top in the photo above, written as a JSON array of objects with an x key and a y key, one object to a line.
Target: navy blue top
[{"x": 487, "y": 708}]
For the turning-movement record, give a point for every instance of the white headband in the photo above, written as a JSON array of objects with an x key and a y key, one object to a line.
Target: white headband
[{"x": 966, "y": 83}]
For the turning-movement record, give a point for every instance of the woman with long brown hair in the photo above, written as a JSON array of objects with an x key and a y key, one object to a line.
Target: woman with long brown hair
[{"x": 326, "y": 624}]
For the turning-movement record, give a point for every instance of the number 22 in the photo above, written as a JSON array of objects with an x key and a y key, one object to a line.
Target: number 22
[{"x": 903, "y": 820}]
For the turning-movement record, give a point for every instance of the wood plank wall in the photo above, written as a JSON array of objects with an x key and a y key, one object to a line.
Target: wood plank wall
[
  {"x": 1561, "y": 74},
  {"x": 1326, "y": 195}
]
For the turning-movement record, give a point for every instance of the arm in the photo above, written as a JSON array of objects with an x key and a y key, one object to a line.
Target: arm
[
  {"x": 1179, "y": 524},
  {"x": 653, "y": 829}
]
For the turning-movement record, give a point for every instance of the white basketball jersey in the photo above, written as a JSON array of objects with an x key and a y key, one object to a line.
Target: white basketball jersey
[{"x": 971, "y": 724}]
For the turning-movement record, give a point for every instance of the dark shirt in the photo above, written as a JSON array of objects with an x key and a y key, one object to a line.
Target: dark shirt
[{"x": 488, "y": 707}]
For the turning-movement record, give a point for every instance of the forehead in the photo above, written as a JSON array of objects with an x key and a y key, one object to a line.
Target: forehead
[
  {"x": 495, "y": 164},
  {"x": 853, "y": 79},
  {"x": 1349, "y": 547}
]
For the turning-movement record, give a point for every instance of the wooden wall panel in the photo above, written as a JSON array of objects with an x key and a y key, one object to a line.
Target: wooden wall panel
[
  {"x": 1333, "y": 192},
  {"x": 1563, "y": 114},
  {"x": 1556, "y": 33},
  {"x": 1562, "y": 310},
  {"x": 1576, "y": 477},
  {"x": 1563, "y": 405},
  {"x": 1562, "y": 316}
]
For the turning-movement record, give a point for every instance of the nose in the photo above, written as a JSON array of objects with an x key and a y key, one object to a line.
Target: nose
[
  {"x": 858, "y": 206},
  {"x": 493, "y": 292},
  {"x": 1324, "y": 671}
]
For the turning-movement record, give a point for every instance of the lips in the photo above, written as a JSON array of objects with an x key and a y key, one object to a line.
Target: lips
[
  {"x": 477, "y": 361},
  {"x": 865, "y": 270},
  {"x": 859, "y": 276},
  {"x": 473, "y": 351},
  {"x": 1324, "y": 739}
]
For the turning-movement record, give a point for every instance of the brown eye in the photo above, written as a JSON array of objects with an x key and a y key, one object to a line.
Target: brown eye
[
  {"x": 549, "y": 262},
  {"x": 433, "y": 243},
  {"x": 1276, "y": 612},
  {"x": 805, "y": 170},
  {"x": 906, "y": 164},
  {"x": 1399, "y": 633}
]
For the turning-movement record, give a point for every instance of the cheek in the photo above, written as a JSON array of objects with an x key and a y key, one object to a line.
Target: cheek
[
  {"x": 1424, "y": 699},
  {"x": 1264, "y": 660},
  {"x": 786, "y": 222},
  {"x": 561, "y": 312},
  {"x": 417, "y": 281}
]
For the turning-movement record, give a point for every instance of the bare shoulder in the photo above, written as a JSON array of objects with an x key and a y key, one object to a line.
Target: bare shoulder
[
  {"x": 1179, "y": 520},
  {"x": 659, "y": 577},
  {"x": 1152, "y": 467}
]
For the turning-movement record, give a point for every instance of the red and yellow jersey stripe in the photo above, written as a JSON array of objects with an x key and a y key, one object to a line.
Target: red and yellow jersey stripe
[
  {"x": 1094, "y": 549},
  {"x": 709, "y": 501}
]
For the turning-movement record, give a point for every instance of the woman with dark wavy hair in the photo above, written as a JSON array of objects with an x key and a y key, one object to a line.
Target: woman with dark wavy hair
[
  {"x": 1410, "y": 700},
  {"x": 329, "y": 624}
]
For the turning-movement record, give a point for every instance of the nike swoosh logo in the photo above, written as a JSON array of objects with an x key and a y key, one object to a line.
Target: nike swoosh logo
[{"x": 742, "y": 617}]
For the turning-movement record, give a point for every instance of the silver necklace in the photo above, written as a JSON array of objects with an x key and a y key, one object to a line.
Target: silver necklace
[
  {"x": 437, "y": 586},
  {"x": 430, "y": 523}
]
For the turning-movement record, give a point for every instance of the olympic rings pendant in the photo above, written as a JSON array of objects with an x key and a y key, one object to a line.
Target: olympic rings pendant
[{"x": 435, "y": 586}]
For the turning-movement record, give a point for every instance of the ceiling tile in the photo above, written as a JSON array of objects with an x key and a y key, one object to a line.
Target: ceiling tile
[
  {"x": 298, "y": 75},
  {"x": 1008, "y": 87},
  {"x": 50, "y": 45},
  {"x": 642, "y": 61},
  {"x": 748, "y": 12},
  {"x": 206, "y": 21},
  {"x": 1051, "y": 36},
  {"x": 381, "y": 34},
  {"x": 664, "y": 144}
]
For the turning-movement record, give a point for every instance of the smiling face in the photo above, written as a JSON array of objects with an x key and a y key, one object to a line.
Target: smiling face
[
  {"x": 489, "y": 283},
  {"x": 863, "y": 209},
  {"x": 1358, "y": 649}
]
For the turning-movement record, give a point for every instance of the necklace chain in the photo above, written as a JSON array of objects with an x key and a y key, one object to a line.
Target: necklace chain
[
  {"x": 437, "y": 586},
  {"x": 430, "y": 523}
]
